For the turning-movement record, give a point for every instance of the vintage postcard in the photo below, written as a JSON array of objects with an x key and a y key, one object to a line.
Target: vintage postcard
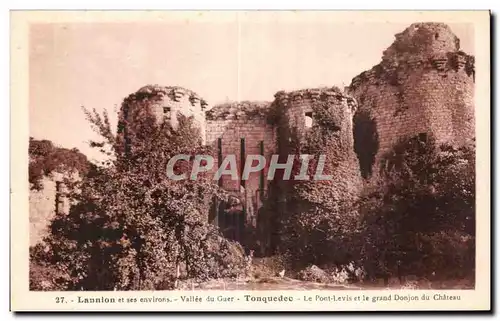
[{"x": 250, "y": 161}]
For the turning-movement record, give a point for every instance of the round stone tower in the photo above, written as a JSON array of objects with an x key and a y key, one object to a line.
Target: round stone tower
[
  {"x": 424, "y": 85},
  {"x": 177, "y": 100},
  {"x": 167, "y": 102},
  {"x": 318, "y": 122}
]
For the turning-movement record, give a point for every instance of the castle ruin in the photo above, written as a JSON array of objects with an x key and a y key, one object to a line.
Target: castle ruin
[{"x": 424, "y": 85}]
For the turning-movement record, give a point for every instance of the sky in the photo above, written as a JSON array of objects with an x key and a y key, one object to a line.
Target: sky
[{"x": 96, "y": 65}]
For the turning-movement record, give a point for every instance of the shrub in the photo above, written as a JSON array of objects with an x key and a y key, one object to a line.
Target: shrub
[
  {"x": 45, "y": 159},
  {"x": 314, "y": 274},
  {"x": 44, "y": 276},
  {"x": 132, "y": 227},
  {"x": 422, "y": 214}
]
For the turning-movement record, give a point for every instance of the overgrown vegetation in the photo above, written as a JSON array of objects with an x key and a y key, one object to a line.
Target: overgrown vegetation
[
  {"x": 45, "y": 159},
  {"x": 317, "y": 218},
  {"x": 417, "y": 220},
  {"x": 420, "y": 219},
  {"x": 132, "y": 228}
]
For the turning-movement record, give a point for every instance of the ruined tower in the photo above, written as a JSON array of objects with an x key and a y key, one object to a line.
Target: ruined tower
[
  {"x": 166, "y": 103},
  {"x": 47, "y": 202},
  {"x": 318, "y": 121},
  {"x": 424, "y": 85},
  {"x": 53, "y": 171}
]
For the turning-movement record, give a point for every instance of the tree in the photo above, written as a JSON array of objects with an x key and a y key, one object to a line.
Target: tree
[
  {"x": 133, "y": 228},
  {"x": 421, "y": 214},
  {"x": 45, "y": 159}
]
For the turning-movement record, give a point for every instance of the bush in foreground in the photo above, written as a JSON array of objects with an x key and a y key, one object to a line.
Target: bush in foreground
[{"x": 131, "y": 227}]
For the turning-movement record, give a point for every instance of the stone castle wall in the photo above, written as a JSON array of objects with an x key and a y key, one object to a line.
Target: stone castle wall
[
  {"x": 44, "y": 204},
  {"x": 424, "y": 85},
  {"x": 234, "y": 121}
]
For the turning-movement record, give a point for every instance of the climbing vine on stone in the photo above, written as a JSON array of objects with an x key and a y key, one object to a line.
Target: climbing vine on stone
[{"x": 318, "y": 217}]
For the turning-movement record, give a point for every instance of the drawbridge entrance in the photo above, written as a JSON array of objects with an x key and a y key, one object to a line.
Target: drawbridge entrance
[{"x": 237, "y": 217}]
